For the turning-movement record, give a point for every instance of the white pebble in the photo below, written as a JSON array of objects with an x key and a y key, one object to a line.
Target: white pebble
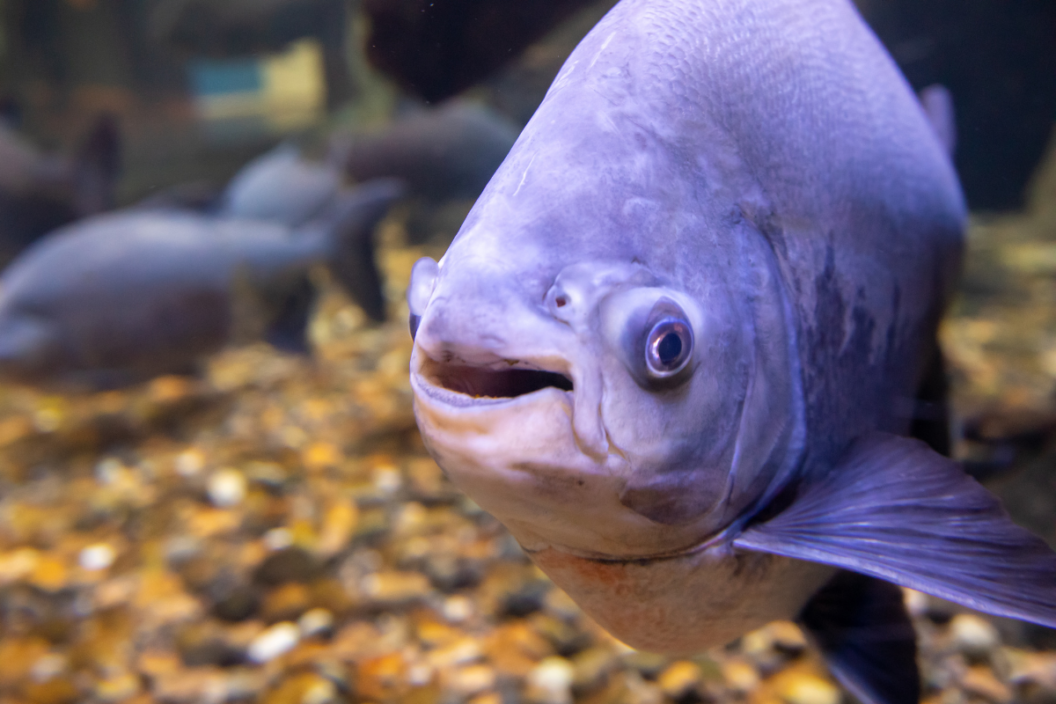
[
  {"x": 109, "y": 470},
  {"x": 48, "y": 667},
  {"x": 275, "y": 641},
  {"x": 227, "y": 488},
  {"x": 97, "y": 557},
  {"x": 457, "y": 609},
  {"x": 420, "y": 675},
  {"x": 189, "y": 463},
  {"x": 315, "y": 621},
  {"x": 552, "y": 680},
  {"x": 387, "y": 479},
  {"x": 916, "y": 602},
  {"x": 973, "y": 635},
  {"x": 278, "y": 538},
  {"x": 181, "y": 548}
]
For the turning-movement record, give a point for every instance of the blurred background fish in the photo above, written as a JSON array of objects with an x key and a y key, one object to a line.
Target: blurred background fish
[
  {"x": 446, "y": 155},
  {"x": 122, "y": 298},
  {"x": 39, "y": 192}
]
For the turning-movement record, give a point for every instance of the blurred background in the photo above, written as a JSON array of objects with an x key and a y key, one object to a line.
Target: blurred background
[{"x": 236, "y": 507}]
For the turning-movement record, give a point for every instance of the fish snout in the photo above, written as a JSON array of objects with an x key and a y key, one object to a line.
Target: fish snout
[
  {"x": 420, "y": 290},
  {"x": 27, "y": 347},
  {"x": 455, "y": 357},
  {"x": 476, "y": 338}
]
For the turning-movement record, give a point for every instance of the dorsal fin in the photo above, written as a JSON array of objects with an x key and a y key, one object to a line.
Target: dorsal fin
[{"x": 937, "y": 102}]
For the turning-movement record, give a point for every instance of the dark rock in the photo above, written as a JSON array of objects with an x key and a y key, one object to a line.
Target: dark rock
[
  {"x": 204, "y": 644},
  {"x": 287, "y": 565},
  {"x": 237, "y": 604}
]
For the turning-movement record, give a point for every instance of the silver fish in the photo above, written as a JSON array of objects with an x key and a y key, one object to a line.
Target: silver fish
[
  {"x": 675, "y": 346},
  {"x": 441, "y": 153},
  {"x": 117, "y": 299},
  {"x": 281, "y": 186}
]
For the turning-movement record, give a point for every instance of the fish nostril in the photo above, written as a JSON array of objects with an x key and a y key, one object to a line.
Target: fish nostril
[{"x": 560, "y": 303}]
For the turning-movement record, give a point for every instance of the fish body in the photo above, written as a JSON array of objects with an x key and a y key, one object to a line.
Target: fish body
[
  {"x": 120, "y": 298},
  {"x": 281, "y": 186},
  {"x": 686, "y": 323},
  {"x": 441, "y": 153}
]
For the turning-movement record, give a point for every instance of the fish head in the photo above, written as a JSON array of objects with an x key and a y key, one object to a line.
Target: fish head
[
  {"x": 594, "y": 400},
  {"x": 29, "y": 348},
  {"x": 605, "y": 357}
]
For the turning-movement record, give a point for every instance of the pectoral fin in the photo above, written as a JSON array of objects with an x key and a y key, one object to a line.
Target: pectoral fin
[
  {"x": 896, "y": 510},
  {"x": 861, "y": 627}
]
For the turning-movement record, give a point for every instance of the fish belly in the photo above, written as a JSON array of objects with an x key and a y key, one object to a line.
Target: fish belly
[{"x": 685, "y": 604}]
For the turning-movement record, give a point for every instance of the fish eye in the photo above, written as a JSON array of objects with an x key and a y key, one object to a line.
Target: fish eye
[
  {"x": 653, "y": 334},
  {"x": 668, "y": 347}
]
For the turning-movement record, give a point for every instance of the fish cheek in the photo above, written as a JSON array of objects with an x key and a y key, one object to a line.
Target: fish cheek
[
  {"x": 677, "y": 435},
  {"x": 679, "y": 444}
]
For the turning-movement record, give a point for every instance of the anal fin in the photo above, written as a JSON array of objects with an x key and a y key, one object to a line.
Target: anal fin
[
  {"x": 288, "y": 330},
  {"x": 861, "y": 626},
  {"x": 896, "y": 510}
]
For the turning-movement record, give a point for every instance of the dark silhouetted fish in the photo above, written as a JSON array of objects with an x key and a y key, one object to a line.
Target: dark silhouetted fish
[
  {"x": 280, "y": 186},
  {"x": 443, "y": 153},
  {"x": 39, "y": 192},
  {"x": 675, "y": 346},
  {"x": 120, "y": 298}
]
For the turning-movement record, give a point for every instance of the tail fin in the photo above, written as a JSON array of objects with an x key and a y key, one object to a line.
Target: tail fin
[
  {"x": 97, "y": 166},
  {"x": 351, "y": 224}
]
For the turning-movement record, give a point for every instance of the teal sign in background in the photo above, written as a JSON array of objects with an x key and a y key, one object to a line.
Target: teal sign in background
[{"x": 211, "y": 78}]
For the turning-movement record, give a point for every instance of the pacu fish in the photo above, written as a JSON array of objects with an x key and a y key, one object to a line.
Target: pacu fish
[
  {"x": 675, "y": 347},
  {"x": 442, "y": 153},
  {"x": 282, "y": 186},
  {"x": 41, "y": 192},
  {"x": 117, "y": 299}
]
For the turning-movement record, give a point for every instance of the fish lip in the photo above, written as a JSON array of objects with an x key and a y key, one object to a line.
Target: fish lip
[
  {"x": 458, "y": 401},
  {"x": 427, "y": 384}
]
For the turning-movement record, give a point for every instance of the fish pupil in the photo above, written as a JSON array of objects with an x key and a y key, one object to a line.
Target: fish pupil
[{"x": 669, "y": 349}]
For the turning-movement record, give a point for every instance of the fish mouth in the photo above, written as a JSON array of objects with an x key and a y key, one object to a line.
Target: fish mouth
[{"x": 460, "y": 384}]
